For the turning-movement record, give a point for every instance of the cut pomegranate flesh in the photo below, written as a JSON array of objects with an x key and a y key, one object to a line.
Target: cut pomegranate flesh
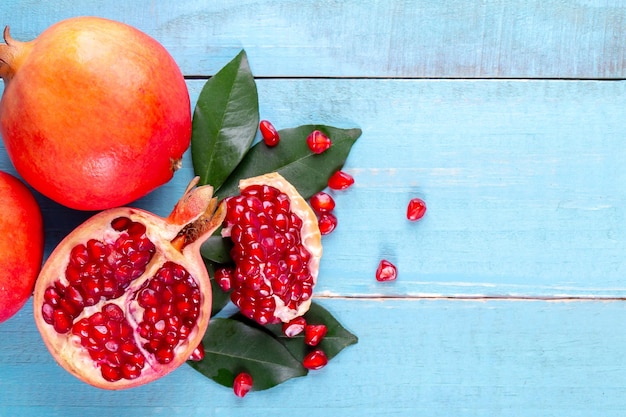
[
  {"x": 315, "y": 360},
  {"x": 276, "y": 249},
  {"x": 386, "y": 271},
  {"x": 272, "y": 263},
  {"x": 269, "y": 133},
  {"x": 318, "y": 142},
  {"x": 340, "y": 180},
  {"x": 242, "y": 384},
  {"x": 125, "y": 298}
]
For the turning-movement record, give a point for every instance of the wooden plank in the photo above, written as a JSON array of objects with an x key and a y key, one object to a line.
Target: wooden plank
[
  {"x": 522, "y": 179},
  {"x": 355, "y": 38},
  {"x": 427, "y": 358}
]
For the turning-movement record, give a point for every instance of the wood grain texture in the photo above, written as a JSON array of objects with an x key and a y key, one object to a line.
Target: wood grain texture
[
  {"x": 427, "y": 358},
  {"x": 395, "y": 38},
  {"x": 461, "y": 103}
]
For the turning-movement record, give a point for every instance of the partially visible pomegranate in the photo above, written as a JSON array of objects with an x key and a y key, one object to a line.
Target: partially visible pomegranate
[
  {"x": 21, "y": 244},
  {"x": 125, "y": 298},
  {"x": 277, "y": 249},
  {"x": 94, "y": 114}
]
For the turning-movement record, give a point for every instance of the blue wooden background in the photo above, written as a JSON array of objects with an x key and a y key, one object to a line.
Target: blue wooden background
[{"x": 507, "y": 117}]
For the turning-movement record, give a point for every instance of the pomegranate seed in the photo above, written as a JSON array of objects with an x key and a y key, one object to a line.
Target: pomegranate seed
[
  {"x": 315, "y": 360},
  {"x": 242, "y": 384},
  {"x": 416, "y": 209},
  {"x": 294, "y": 327},
  {"x": 327, "y": 222},
  {"x": 224, "y": 278},
  {"x": 322, "y": 202},
  {"x": 386, "y": 271},
  {"x": 269, "y": 133},
  {"x": 340, "y": 180},
  {"x": 198, "y": 353},
  {"x": 318, "y": 142},
  {"x": 314, "y": 333}
]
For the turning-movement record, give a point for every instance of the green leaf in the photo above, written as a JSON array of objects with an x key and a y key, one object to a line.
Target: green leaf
[
  {"x": 293, "y": 159},
  {"x": 225, "y": 121},
  {"x": 337, "y": 338},
  {"x": 232, "y": 347},
  {"x": 217, "y": 249}
]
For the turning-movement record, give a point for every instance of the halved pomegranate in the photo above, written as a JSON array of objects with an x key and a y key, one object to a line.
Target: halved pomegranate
[
  {"x": 277, "y": 249},
  {"x": 125, "y": 298}
]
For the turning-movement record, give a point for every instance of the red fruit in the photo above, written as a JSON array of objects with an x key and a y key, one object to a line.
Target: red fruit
[
  {"x": 125, "y": 298},
  {"x": 294, "y": 327},
  {"x": 198, "y": 353},
  {"x": 315, "y": 360},
  {"x": 242, "y": 384},
  {"x": 269, "y": 133},
  {"x": 327, "y": 223},
  {"x": 314, "y": 333},
  {"x": 224, "y": 278},
  {"x": 318, "y": 142},
  {"x": 386, "y": 271},
  {"x": 340, "y": 180},
  {"x": 21, "y": 245},
  {"x": 277, "y": 249},
  {"x": 322, "y": 202},
  {"x": 416, "y": 209},
  {"x": 95, "y": 113}
]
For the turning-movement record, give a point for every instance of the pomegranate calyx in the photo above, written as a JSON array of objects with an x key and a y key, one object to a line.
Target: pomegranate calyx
[{"x": 12, "y": 54}]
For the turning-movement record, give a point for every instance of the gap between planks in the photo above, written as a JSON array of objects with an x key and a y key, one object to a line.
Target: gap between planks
[{"x": 469, "y": 298}]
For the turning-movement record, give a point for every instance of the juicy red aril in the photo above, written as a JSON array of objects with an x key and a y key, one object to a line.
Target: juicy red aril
[
  {"x": 177, "y": 309},
  {"x": 386, "y": 271},
  {"x": 198, "y": 353},
  {"x": 314, "y": 360},
  {"x": 318, "y": 142},
  {"x": 322, "y": 202},
  {"x": 327, "y": 222},
  {"x": 270, "y": 258},
  {"x": 242, "y": 384},
  {"x": 294, "y": 327},
  {"x": 98, "y": 270},
  {"x": 340, "y": 180},
  {"x": 269, "y": 133},
  {"x": 416, "y": 209},
  {"x": 224, "y": 278},
  {"x": 314, "y": 333}
]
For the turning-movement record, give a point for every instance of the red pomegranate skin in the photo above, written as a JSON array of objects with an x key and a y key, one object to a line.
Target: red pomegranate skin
[
  {"x": 94, "y": 114},
  {"x": 21, "y": 244}
]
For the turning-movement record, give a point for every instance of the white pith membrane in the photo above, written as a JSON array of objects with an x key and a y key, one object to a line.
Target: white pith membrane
[
  {"x": 309, "y": 235},
  {"x": 68, "y": 348}
]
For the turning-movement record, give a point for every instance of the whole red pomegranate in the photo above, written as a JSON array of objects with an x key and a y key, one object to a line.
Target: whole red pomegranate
[
  {"x": 21, "y": 244},
  {"x": 125, "y": 298},
  {"x": 94, "y": 114},
  {"x": 276, "y": 249}
]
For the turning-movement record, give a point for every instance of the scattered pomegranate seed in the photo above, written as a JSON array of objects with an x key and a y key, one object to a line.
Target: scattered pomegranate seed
[
  {"x": 322, "y": 202},
  {"x": 327, "y": 222},
  {"x": 242, "y": 384},
  {"x": 269, "y": 133},
  {"x": 294, "y": 327},
  {"x": 386, "y": 271},
  {"x": 224, "y": 278},
  {"x": 198, "y": 353},
  {"x": 318, "y": 142},
  {"x": 314, "y": 360},
  {"x": 416, "y": 209},
  {"x": 314, "y": 333},
  {"x": 340, "y": 180}
]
